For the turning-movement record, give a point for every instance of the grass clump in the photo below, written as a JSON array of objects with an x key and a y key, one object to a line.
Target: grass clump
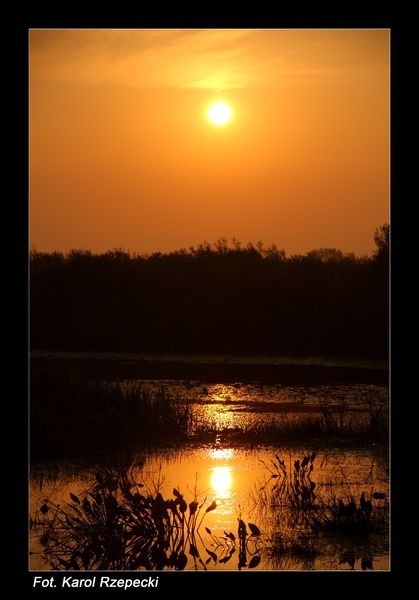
[
  {"x": 73, "y": 416},
  {"x": 303, "y": 512},
  {"x": 353, "y": 515}
]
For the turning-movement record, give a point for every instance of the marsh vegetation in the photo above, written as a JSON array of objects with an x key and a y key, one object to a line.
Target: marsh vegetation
[
  {"x": 119, "y": 522},
  {"x": 72, "y": 415}
]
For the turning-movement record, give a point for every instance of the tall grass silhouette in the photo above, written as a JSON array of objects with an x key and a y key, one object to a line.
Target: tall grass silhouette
[{"x": 71, "y": 415}]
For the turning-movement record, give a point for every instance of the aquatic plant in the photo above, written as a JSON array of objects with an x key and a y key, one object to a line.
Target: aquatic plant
[
  {"x": 118, "y": 524},
  {"x": 292, "y": 487}
]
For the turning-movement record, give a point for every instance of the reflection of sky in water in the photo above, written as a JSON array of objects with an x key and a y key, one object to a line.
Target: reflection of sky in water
[
  {"x": 221, "y": 453},
  {"x": 238, "y": 406},
  {"x": 227, "y": 475},
  {"x": 354, "y": 394},
  {"x": 216, "y": 416}
]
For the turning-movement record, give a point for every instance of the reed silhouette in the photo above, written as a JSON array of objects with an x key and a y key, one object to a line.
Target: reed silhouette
[
  {"x": 117, "y": 524},
  {"x": 120, "y": 523},
  {"x": 293, "y": 487},
  {"x": 73, "y": 416}
]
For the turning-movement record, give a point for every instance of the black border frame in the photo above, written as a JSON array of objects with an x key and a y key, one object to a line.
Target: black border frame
[{"x": 190, "y": 581}]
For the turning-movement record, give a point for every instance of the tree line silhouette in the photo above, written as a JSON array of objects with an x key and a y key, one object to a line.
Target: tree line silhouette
[{"x": 221, "y": 298}]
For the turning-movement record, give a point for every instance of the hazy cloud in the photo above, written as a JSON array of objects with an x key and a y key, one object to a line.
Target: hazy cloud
[{"x": 209, "y": 59}]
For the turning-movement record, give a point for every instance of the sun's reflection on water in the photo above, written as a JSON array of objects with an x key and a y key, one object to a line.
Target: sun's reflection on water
[
  {"x": 222, "y": 478},
  {"x": 221, "y": 453},
  {"x": 221, "y": 481}
]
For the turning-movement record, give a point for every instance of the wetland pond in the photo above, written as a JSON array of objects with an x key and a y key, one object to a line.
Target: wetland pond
[{"x": 225, "y": 498}]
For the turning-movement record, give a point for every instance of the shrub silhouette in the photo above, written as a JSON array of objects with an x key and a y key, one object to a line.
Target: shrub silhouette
[{"x": 212, "y": 299}]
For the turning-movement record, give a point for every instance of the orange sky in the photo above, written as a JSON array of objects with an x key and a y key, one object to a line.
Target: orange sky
[{"x": 122, "y": 154}]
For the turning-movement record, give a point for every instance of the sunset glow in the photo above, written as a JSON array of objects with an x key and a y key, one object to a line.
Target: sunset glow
[{"x": 126, "y": 151}]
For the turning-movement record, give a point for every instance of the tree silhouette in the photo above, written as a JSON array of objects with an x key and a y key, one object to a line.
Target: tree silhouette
[
  {"x": 214, "y": 298},
  {"x": 382, "y": 241}
]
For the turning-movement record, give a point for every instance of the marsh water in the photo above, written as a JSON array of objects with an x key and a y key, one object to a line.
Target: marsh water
[
  {"x": 241, "y": 406},
  {"x": 237, "y": 476}
]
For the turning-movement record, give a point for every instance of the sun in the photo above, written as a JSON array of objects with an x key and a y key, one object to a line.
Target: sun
[{"x": 220, "y": 113}]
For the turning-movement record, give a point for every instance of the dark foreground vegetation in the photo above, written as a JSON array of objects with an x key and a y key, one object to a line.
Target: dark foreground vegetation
[
  {"x": 213, "y": 299},
  {"x": 119, "y": 523},
  {"x": 72, "y": 416}
]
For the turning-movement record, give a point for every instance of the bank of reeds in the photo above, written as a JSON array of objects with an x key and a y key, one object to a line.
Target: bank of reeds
[
  {"x": 305, "y": 509},
  {"x": 71, "y": 416}
]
